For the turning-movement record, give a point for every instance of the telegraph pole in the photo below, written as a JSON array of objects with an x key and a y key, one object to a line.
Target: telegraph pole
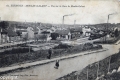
[
  {"x": 97, "y": 71},
  {"x": 87, "y": 74},
  {"x": 109, "y": 66},
  {"x": 0, "y": 33}
]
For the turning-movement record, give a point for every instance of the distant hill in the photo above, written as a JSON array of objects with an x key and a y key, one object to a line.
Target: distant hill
[{"x": 12, "y": 24}]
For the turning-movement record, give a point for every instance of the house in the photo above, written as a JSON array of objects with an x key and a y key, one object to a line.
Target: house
[
  {"x": 12, "y": 36},
  {"x": 22, "y": 30},
  {"x": 47, "y": 34},
  {"x": 118, "y": 26},
  {"x": 3, "y": 32},
  {"x": 3, "y": 36},
  {"x": 86, "y": 31},
  {"x": 52, "y": 29},
  {"x": 76, "y": 32},
  {"x": 8, "y": 35},
  {"x": 30, "y": 32},
  {"x": 71, "y": 33},
  {"x": 37, "y": 32},
  {"x": 63, "y": 34}
]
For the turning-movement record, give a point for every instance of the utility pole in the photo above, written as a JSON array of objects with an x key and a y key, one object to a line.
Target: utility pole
[
  {"x": 87, "y": 74},
  {"x": 0, "y": 33},
  {"x": 109, "y": 66},
  {"x": 29, "y": 47},
  {"x": 27, "y": 41},
  {"x": 97, "y": 71}
]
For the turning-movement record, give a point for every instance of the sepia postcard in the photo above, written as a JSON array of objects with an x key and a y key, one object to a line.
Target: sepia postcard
[{"x": 60, "y": 40}]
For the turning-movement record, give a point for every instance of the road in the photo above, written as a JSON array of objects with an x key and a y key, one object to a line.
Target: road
[
  {"x": 48, "y": 72},
  {"x": 79, "y": 41},
  {"x": 15, "y": 43}
]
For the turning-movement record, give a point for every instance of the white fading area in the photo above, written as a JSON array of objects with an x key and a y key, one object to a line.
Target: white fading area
[{"x": 94, "y": 11}]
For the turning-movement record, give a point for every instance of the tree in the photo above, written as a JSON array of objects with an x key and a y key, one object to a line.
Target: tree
[
  {"x": 25, "y": 38},
  {"x": 81, "y": 32},
  {"x": 116, "y": 33},
  {"x": 18, "y": 33},
  {"x": 4, "y": 24},
  {"x": 36, "y": 36},
  {"x": 54, "y": 36}
]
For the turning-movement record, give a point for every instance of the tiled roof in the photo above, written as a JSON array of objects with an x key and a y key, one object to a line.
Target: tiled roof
[
  {"x": 45, "y": 32},
  {"x": 76, "y": 29},
  {"x": 21, "y": 27},
  {"x": 62, "y": 32},
  {"x": 21, "y": 31}
]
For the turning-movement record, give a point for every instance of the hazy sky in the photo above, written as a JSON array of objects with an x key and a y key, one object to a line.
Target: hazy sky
[{"x": 94, "y": 11}]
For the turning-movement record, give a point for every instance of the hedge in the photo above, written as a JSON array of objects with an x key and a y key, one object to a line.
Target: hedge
[{"x": 108, "y": 41}]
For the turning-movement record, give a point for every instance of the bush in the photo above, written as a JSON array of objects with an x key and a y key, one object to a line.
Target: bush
[
  {"x": 108, "y": 41},
  {"x": 54, "y": 36},
  {"x": 16, "y": 51},
  {"x": 116, "y": 33},
  {"x": 62, "y": 46}
]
